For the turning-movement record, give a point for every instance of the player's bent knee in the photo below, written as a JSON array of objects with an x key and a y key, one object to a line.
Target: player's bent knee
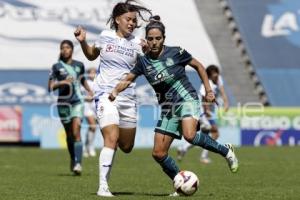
[
  {"x": 126, "y": 148},
  {"x": 158, "y": 155},
  {"x": 189, "y": 136},
  {"x": 111, "y": 142}
]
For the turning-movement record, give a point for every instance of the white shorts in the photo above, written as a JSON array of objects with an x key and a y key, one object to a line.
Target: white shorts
[
  {"x": 89, "y": 109},
  {"x": 122, "y": 111}
]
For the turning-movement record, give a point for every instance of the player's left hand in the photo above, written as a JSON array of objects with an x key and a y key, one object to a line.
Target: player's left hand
[
  {"x": 90, "y": 97},
  {"x": 112, "y": 96},
  {"x": 210, "y": 96},
  {"x": 226, "y": 106},
  {"x": 145, "y": 46}
]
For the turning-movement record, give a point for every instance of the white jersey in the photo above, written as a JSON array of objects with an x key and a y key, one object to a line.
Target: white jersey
[
  {"x": 89, "y": 107},
  {"x": 216, "y": 89},
  {"x": 117, "y": 57},
  {"x": 90, "y": 84}
]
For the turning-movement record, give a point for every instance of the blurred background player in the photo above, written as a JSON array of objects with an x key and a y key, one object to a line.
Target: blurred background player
[
  {"x": 118, "y": 49},
  {"x": 67, "y": 75},
  {"x": 209, "y": 118},
  {"x": 164, "y": 68},
  {"x": 90, "y": 116}
]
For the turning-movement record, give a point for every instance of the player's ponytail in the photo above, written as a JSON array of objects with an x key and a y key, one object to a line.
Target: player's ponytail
[{"x": 154, "y": 22}]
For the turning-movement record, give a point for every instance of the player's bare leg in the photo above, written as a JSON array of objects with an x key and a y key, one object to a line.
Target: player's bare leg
[
  {"x": 90, "y": 136},
  {"x": 126, "y": 139},
  {"x": 110, "y": 135}
]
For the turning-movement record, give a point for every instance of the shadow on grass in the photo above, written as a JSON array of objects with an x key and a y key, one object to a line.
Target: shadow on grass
[
  {"x": 68, "y": 175},
  {"x": 138, "y": 194}
]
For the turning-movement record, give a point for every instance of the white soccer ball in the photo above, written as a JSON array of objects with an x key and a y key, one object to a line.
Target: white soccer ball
[{"x": 186, "y": 183}]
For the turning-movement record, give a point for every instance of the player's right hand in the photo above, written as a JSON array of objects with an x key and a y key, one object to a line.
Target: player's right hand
[
  {"x": 210, "y": 97},
  {"x": 111, "y": 97},
  {"x": 80, "y": 34}
]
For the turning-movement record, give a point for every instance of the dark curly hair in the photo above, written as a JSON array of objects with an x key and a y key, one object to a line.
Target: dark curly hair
[
  {"x": 124, "y": 7},
  {"x": 211, "y": 69}
]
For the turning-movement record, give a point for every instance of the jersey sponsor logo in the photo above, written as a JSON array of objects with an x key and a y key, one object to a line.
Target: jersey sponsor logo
[
  {"x": 24, "y": 93},
  {"x": 120, "y": 50},
  {"x": 161, "y": 77}
]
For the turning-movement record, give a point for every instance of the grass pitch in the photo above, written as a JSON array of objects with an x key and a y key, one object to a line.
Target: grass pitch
[{"x": 265, "y": 173}]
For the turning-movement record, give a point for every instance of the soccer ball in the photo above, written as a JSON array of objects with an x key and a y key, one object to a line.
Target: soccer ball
[{"x": 186, "y": 183}]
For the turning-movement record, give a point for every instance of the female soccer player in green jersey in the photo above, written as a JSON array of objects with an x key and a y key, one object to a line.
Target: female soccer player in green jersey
[
  {"x": 164, "y": 68},
  {"x": 67, "y": 75}
]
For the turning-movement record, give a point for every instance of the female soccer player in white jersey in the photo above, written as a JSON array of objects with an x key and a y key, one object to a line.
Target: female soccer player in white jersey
[
  {"x": 90, "y": 116},
  {"x": 118, "y": 50}
]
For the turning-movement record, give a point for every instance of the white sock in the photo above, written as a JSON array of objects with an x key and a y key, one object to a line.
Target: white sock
[
  {"x": 204, "y": 153},
  {"x": 90, "y": 139},
  {"x": 105, "y": 164},
  {"x": 186, "y": 146}
]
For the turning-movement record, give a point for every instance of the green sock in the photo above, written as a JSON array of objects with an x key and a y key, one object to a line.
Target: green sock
[
  {"x": 169, "y": 166},
  {"x": 78, "y": 151},
  {"x": 70, "y": 144}
]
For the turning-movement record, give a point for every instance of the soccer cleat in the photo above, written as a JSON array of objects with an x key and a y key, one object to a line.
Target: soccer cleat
[
  {"x": 175, "y": 194},
  {"x": 180, "y": 154},
  {"x": 72, "y": 164},
  {"x": 77, "y": 169},
  {"x": 232, "y": 159},
  {"x": 92, "y": 152},
  {"x": 85, "y": 153},
  {"x": 103, "y": 191},
  {"x": 205, "y": 160}
]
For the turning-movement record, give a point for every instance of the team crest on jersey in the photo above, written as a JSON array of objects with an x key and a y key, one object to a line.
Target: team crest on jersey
[
  {"x": 169, "y": 62},
  {"x": 110, "y": 48},
  {"x": 77, "y": 69}
]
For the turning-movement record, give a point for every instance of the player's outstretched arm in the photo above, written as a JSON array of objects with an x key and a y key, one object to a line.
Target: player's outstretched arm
[
  {"x": 210, "y": 96},
  {"x": 225, "y": 99},
  {"x": 122, "y": 85},
  {"x": 90, "y": 52}
]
